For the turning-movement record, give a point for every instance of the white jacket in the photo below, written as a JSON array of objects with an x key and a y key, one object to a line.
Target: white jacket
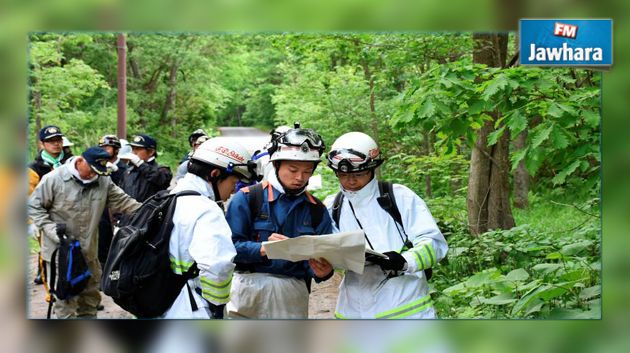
[
  {"x": 200, "y": 234},
  {"x": 372, "y": 294}
]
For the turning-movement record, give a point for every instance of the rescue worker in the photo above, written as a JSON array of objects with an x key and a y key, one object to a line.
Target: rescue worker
[
  {"x": 396, "y": 287},
  {"x": 111, "y": 144},
  {"x": 182, "y": 169},
  {"x": 75, "y": 194},
  {"x": 67, "y": 147},
  {"x": 278, "y": 289},
  {"x": 144, "y": 177},
  {"x": 262, "y": 157},
  {"x": 50, "y": 157},
  {"x": 200, "y": 234}
]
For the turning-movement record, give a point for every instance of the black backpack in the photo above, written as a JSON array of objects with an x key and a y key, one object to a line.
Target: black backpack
[
  {"x": 387, "y": 201},
  {"x": 137, "y": 273},
  {"x": 73, "y": 273}
]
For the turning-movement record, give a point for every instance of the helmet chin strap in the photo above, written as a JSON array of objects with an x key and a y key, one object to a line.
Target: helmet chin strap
[{"x": 215, "y": 189}]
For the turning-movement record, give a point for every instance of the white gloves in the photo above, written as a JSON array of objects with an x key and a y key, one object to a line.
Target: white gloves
[
  {"x": 111, "y": 166},
  {"x": 133, "y": 159}
]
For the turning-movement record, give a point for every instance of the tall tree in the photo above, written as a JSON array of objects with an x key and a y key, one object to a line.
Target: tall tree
[{"x": 488, "y": 182}]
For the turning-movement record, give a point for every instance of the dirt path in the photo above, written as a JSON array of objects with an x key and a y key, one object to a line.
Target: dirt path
[{"x": 322, "y": 301}]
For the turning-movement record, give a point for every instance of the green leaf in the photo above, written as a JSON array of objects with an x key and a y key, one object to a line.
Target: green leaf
[
  {"x": 501, "y": 299},
  {"x": 485, "y": 277},
  {"x": 518, "y": 156},
  {"x": 517, "y": 122},
  {"x": 560, "y": 177},
  {"x": 494, "y": 136},
  {"x": 477, "y": 107},
  {"x": 427, "y": 109},
  {"x": 554, "y": 256},
  {"x": 559, "y": 139},
  {"x": 495, "y": 85},
  {"x": 555, "y": 110},
  {"x": 517, "y": 275},
  {"x": 574, "y": 249},
  {"x": 546, "y": 268},
  {"x": 591, "y": 118},
  {"x": 591, "y": 292},
  {"x": 534, "y": 307},
  {"x": 541, "y": 135},
  {"x": 545, "y": 292},
  {"x": 455, "y": 289}
]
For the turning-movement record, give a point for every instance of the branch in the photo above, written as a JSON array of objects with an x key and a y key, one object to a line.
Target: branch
[{"x": 574, "y": 206}]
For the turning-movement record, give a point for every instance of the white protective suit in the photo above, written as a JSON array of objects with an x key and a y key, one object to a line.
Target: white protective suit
[
  {"x": 372, "y": 294},
  {"x": 200, "y": 234}
]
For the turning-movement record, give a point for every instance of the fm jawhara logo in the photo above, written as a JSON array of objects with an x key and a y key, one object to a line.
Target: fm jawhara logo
[{"x": 566, "y": 42}]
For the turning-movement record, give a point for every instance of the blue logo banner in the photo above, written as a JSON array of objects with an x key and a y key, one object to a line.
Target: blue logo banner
[{"x": 565, "y": 42}]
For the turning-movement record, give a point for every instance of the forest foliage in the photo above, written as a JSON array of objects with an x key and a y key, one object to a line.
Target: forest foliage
[{"x": 419, "y": 94}]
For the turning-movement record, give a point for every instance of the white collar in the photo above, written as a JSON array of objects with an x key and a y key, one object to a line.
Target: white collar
[
  {"x": 364, "y": 194},
  {"x": 193, "y": 182}
]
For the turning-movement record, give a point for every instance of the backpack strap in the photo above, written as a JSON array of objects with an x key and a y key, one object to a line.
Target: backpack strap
[
  {"x": 53, "y": 278},
  {"x": 387, "y": 201},
  {"x": 255, "y": 195},
  {"x": 336, "y": 209},
  {"x": 255, "y": 200},
  {"x": 317, "y": 209}
]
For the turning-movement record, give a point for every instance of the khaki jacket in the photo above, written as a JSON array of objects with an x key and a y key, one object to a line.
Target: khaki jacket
[{"x": 60, "y": 198}]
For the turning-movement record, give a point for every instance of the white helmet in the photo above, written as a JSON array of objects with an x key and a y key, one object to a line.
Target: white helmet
[
  {"x": 297, "y": 145},
  {"x": 66, "y": 142},
  {"x": 278, "y": 131},
  {"x": 354, "y": 152},
  {"x": 225, "y": 153}
]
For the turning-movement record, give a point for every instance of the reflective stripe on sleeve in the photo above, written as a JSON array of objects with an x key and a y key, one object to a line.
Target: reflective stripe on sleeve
[
  {"x": 407, "y": 309},
  {"x": 180, "y": 266},
  {"x": 425, "y": 255},
  {"x": 216, "y": 291}
]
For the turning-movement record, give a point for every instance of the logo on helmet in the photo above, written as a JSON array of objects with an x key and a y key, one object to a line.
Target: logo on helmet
[
  {"x": 373, "y": 153},
  {"x": 229, "y": 153}
]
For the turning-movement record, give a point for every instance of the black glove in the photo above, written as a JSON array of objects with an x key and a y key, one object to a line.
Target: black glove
[
  {"x": 396, "y": 262},
  {"x": 60, "y": 229},
  {"x": 216, "y": 310}
]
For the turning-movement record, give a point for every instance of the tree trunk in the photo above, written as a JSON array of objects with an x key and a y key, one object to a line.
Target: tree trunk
[
  {"x": 488, "y": 182},
  {"x": 133, "y": 63},
  {"x": 169, "y": 104},
  {"x": 428, "y": 190},
  {"x": 369, "y": 77},
  {"x": 521, "y": 175},
  {"x": 37, "y": 98}
]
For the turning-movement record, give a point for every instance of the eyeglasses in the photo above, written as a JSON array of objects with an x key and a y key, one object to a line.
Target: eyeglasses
[{"x": 355, "y": 176}]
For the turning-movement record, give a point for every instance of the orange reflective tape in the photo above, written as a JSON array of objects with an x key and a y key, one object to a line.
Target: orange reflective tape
[
  {"x": 269, "y": 191},
  {"x": 310, "y": 197}
]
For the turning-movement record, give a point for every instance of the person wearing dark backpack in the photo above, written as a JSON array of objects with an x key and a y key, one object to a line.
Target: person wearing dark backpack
[
  {"x": 278, "y": 209},
  {"x": 201, "y": 236},
  {"x": 144, "y": 177},
  {"x": 396, "y": 222},
  {"x": 75, "y": 194}
]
